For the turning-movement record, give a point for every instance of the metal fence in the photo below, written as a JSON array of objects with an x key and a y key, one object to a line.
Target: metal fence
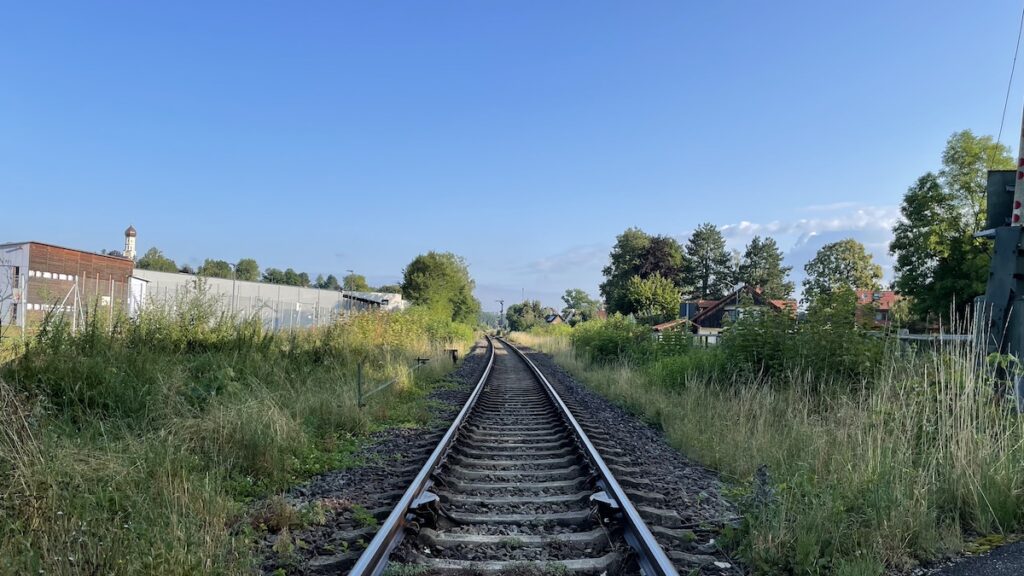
[{"x": 279, "y": 307}]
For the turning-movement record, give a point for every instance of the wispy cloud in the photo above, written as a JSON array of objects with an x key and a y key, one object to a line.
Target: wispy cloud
[
  {"x": 574, "y": 259},
  {"x": 855, "y": 218},
  {"x": 801, "y": 238}
]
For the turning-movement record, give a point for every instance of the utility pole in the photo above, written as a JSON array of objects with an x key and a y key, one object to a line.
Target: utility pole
[{"x": 999, "y": 314}]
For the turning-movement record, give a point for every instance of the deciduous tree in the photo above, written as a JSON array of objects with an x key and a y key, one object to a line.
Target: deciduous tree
[
  {"x": 938, "y": 260},
  {"x": 655, "y": 298},
  {"x": 526, "y": 315},
  {"x": 329, "y": 283},
  {"x": 637, "y": 253},
  {"x": 441, "y": 281},
  {"x": 355, "y": 283},
  {"x": 215, "y": 269},
  {"x": 155, "y": 260},
  {"x": 247, "y": 269},
  {"x": 578, "y": 301},
  {"x": 840, "y": 264}
]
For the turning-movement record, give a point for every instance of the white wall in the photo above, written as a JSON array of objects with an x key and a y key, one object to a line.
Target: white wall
[
  {"x": 12, "y": 256},
  {"x": 280, "y": 306}
]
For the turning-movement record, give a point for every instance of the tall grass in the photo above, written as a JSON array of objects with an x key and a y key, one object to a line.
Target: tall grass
[
  {"x": 896, "y": 471},
  {"x": 136, "y": 450}
]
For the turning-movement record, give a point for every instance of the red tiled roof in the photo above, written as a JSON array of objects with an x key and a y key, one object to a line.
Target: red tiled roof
[
  {"x": 885, "y": 301},
  {"x": 784, "y": 304}
]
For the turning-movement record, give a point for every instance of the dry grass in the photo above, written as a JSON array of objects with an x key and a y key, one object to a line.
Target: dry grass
[
  {"x": 139, "y": 452},
  {"x": 886, "y": 476}
]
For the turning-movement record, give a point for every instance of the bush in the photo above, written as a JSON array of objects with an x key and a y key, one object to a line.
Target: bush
[
  {"x": 617, "y": 338},
  {"x": 676, "y": 370},
  {"x": 555, "y": 330},
  {"x": 829, "y": 344},
  {"x": 131, "y": 451},
  {"x": 864, "y": 479}
]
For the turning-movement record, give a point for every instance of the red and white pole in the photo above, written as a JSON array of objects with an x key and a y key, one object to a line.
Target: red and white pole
[{"x": 1018, "y": 189}]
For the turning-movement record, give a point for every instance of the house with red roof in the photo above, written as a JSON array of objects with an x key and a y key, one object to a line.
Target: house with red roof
[
  {"x": 708, "y": 317},
  {"x": 876, "y": 306}
]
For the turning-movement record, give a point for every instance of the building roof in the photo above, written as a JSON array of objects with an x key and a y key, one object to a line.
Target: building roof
[
  {"x": 882, "y": 299},
  {"x": 669, "y": 325},
  {"x": 120, "y": 258},
  {"x": 785, "y": 304},
  {"x": 754, "y": 293},
  {"x": 130, "y": 231}
]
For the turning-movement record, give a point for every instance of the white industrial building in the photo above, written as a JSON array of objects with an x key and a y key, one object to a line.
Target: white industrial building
[{"x": 280, "y": 306}]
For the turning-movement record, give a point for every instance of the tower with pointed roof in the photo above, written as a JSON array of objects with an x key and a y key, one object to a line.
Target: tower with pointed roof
[{"x": 129, "y": 243}]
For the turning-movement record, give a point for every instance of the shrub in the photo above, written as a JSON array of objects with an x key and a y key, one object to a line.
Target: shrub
[
  {"x": 554, "y": 330},
  {"x": 828, "y": 344},
  {"x": 131, "y": 450},
  {"x": 617, "y": 338}
]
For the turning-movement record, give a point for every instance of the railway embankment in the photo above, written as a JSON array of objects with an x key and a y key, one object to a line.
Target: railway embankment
[{"x": 876, "y": 457}]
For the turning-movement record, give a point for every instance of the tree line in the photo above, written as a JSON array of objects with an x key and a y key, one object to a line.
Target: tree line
[
  {"x": 940, "y": 267},
  {"x": 649, "y": 276},
  {"x": 248, "y": 270},
  {"x": 438, "y": 281}
]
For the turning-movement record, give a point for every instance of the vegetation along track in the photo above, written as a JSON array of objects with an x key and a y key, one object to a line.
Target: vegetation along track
[{"x": 515, "y": 486}]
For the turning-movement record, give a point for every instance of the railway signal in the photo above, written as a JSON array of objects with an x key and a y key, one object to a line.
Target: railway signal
[{"x": 999, "y": 324}]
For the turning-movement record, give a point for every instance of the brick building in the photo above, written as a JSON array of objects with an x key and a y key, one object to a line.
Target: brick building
[{"x": 38, "y": 278}]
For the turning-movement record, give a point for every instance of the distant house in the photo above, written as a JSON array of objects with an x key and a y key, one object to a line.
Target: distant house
[
  {"x": 876, "y": 306},
  {"x": 555, "y": 318},
  {"x": 672, "y": 325},
  {"x": 707, "y": 317}
]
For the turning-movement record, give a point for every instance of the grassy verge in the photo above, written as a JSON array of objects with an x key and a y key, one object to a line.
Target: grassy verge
[
  {"x": 138, "y": 452},
  {"x": 900, "y": 468}
]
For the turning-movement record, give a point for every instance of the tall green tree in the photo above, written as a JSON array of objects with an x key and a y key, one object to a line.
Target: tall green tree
[
  {"x": 273, "y": 276},
  {"x": 845, "y": 263},
  {"x": 329, "y": 283},
  {"x": 526, "y": 315},
  {"x": 355, "y": 283},
  {"x": 939, "y": 263},
  {"x": 655, "y": 298},
  {"x": 441, "y": 281},
  {"x": 215, "y": 269},
  {"x": 707, "y": 273},
  {"x": 293, "y": 278},
  {"x": 287, "y": 277},
  {"x": 390, "y": 288},
  {"x": 247, "y": 269},
  {"x": 761, "y": 267},
  {"x": 578, "y": 301},
  {"x": 637, "y": 253},
  {"x": 155, "y": 260}
]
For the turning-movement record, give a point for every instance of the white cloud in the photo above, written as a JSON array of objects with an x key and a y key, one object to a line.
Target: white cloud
[
  {"x": 846, "y": 218},
  {"x": 801, "y": 238}
]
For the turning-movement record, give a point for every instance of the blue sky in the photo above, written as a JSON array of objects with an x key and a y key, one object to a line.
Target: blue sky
[{"x": 525, "y": 136}]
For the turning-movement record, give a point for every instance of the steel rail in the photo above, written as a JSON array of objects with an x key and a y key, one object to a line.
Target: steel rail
[
  {"x": 374, "y": 558},
  {"x": 652, "y": 558}
]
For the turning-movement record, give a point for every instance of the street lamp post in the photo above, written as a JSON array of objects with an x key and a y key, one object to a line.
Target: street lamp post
[
  {"x": 348, "y": 309},
  {"x": 501, "y": 315}
]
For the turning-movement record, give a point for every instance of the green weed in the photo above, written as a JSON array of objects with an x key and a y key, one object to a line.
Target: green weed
[{"x": 138, "y": 449}]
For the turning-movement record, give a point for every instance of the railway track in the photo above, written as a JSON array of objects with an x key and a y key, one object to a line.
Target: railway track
[{"x": 515, "y": 486}]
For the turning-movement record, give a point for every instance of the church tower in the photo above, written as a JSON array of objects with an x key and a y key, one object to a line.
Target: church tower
[{"x": 129, "y": 243}]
